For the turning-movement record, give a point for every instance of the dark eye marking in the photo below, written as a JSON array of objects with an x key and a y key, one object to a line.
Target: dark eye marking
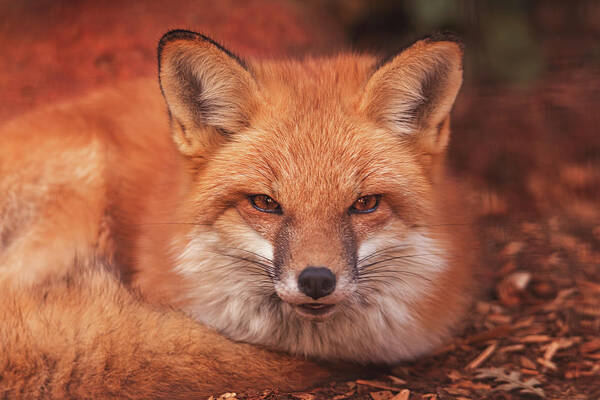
[
  {"x": 365, "y": 204},
  {"x": 264, "y": 203}
]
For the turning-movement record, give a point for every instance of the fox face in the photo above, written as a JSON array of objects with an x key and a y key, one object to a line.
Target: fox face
[{"x": 315, "y": 197}]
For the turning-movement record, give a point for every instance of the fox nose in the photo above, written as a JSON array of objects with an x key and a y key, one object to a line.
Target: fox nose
[{"x": 316, "y": 282}]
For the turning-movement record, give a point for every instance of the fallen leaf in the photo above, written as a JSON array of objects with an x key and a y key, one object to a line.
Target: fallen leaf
[
  {"x": 591, "y": 346},
  {"x": 383, "y": 395},
  {"x": 377, "y": 384},
  {"x": 454, "y": 375},
  {"x": 547, "y": 363},
  {"x": 551, "y": 351},
  {"x": 397, "y": 380},
  {"x": 534, "y": 339},
  {"x": 511, "y": 381},
  {"x": 403, "y": 395},
  {"x": 304, "y": 396},
  {"x": 457, "y": 391},
  {"x": 474, "y": 385},
  {"x": 499, "y": 319},
  {"x": 225, "y": 396},
  {"x": 342, "y": 396},
  {"x": 512, "y": 248},
  {"x": 526, "y": 371},
  {"x": 482, "y": 357},
  {"x": 527, "y": 363},
  {"x": 511, "y": 348},
  {"x": 497, "y": 332}
]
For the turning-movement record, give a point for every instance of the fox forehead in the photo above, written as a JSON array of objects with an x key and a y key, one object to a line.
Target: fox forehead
[
  {"x": 307, "y": 135},
  {"x": 312, "y": 83}
]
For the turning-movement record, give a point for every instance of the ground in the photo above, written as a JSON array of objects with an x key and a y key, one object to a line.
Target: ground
[{"x": 529, "y": 153}]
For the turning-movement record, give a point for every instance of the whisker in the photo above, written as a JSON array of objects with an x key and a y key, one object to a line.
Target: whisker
[
  {"x": 258, "y": 270},
  {"x": 380, "y": 251},
  {"x": 253, "y": 253},
  {"x": 256, "y": 262},
  {"x": 392, "y": 266},
  {"x": 363, "y": 267},
  {"x": 384, "y": 282},
  {"x": 220, "y": 267},
  {"x": 173, "y": 223},
  {"x": 258, "y": 266},
  {"x": 449, "y": 224},
  {"x": 249, "y": 269},
  {"x": 394, "y": 275}
]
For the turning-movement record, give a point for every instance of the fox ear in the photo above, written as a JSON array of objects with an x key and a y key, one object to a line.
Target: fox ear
[
  {"x": 207, "y": 89},
  {"x": 413, "y": 93}
]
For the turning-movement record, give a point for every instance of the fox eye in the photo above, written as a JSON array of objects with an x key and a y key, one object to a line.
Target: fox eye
[
  {"x": 264, "y": 203},
  {"x": 365, "y": 204}
]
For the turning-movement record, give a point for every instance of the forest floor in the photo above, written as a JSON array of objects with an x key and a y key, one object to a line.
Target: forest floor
[{"x": 530, "y": 155}]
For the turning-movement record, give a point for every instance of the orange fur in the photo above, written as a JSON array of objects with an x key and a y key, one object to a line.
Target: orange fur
[
  {"x": 102, "y": 179},
  {"x": 85, "y": 336}
]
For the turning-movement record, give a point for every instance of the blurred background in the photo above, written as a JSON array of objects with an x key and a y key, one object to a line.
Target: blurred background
[
  {"x": 531, "y": 87},
  {"x": 525, "y": 127},
  {"x": 525, "y": 122}
]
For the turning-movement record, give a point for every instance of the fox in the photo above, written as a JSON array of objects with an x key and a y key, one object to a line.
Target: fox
[{"x": 240, "y": 224}]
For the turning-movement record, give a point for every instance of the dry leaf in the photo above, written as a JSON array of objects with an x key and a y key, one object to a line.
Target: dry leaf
[
  {"x": 591, "y": 346},
  {"x": 546, "y": 363},
  {"x": 396, "y": 380},
  {"x": 507, "y": 268},
  {"x": 524, "y": 323},
  {"x": 551, "y": 351},
  {"x": 591, "y": 286},
  {"x": 520, "y": 279},
  {"x": 304, "y": 396},
  {"x": 474, "y": 385},
  {"x": 225, "y": 396},
  {"x": 526, "y": 371},
  {"x": 383, "y": 395},
  {"x": 342, "y": 396},
  {"x": 497, "y": 332},
  {"x": 482, "y": 357},
  {"x": 499, "y": 319},
  {"x": 535, "y": 339},
  {"x": 403, "y": 395},
  {"x": 512, "y": 249},
  {"x": 560, "y": 298},
  {"x": 511, "y": 381},
  {"x": 350, "y": 392},
  {"x": 454, "y": 375},
  {"x": 511, "y": 348},
  {"x": 527, "y": 363},
  {"x": 588, "y": 310},
  {"x": 377, "y": 384},
  {"x": 457, "y": 391}
]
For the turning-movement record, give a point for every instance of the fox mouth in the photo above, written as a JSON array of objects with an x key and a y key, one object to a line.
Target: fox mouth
[{"x": 315, "y": 311}]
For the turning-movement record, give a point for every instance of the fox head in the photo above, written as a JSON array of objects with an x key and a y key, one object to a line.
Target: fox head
[{"x": 314, "y": 192}]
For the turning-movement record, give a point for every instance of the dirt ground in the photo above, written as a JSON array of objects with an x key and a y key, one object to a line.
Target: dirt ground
[{"x": 531, "y": 155}]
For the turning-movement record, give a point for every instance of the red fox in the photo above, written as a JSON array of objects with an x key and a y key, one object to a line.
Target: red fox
[{"x": 273, "y": 217}]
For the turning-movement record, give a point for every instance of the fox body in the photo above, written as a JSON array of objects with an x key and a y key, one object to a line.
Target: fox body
[{"x": 297, "y": 205}]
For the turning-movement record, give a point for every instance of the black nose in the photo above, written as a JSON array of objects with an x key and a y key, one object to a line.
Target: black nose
[{"x": 316, "y": 282}]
